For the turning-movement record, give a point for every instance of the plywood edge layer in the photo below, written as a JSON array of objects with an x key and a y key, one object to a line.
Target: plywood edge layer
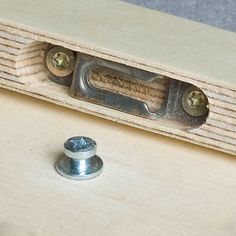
[{"x": 60, "y": 97}]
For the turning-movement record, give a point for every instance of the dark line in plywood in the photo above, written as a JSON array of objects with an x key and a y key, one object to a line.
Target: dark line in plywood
[
  {"x": 225, "y": 136},
  {"x": 215, "y": 112},
  {"x": 17, "y": 36}
]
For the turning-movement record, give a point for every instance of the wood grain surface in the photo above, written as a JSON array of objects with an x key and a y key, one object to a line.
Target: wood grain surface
[
  {"x": 151, "y": 185},
  {"x": 156, "y": 42}
]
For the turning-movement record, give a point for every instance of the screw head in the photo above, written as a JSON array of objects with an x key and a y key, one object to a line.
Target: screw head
[
  {"x": 80, "y": 148},
  {"x": 80, "y": 161},
  {"x": 195, "y": 102},
  {"x": 60, "y": 61}
]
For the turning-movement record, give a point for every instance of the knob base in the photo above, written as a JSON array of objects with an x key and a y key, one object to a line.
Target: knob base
[{"x": 80, "y": 169}]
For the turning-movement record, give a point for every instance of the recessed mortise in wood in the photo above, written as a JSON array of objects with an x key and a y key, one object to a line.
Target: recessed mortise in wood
[
  {"x": 129, "y": 90},
  {"x": 158, "y": 99}
]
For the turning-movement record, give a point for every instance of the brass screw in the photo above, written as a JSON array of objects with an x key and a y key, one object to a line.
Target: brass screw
[
  {"x": 195, "y": 102},
  {"x": 60, "y": 61}
]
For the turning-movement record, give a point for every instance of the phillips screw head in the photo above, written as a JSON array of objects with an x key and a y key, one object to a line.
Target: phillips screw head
[
  {"x": 195, "y": 102},
  {"x": 60, "y": 61}
]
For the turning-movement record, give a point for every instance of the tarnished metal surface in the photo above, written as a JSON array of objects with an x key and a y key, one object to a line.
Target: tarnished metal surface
[{"x": 171, "y": 109}]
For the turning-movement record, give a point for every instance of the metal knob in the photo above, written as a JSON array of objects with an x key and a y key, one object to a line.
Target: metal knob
[{"x": 80, "y": 161}]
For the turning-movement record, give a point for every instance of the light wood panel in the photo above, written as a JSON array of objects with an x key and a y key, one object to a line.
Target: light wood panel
[
  {"x": 151, "y": 185},
  {"x": 180, "y": 49}
]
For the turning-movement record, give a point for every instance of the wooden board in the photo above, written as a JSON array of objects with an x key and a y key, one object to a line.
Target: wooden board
[
  {"x": 117, "y": 31},
  {"x": 151, "y": 185}
]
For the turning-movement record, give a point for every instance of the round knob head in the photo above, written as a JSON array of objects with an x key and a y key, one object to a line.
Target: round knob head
[{"x": 80, "y": 148}]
